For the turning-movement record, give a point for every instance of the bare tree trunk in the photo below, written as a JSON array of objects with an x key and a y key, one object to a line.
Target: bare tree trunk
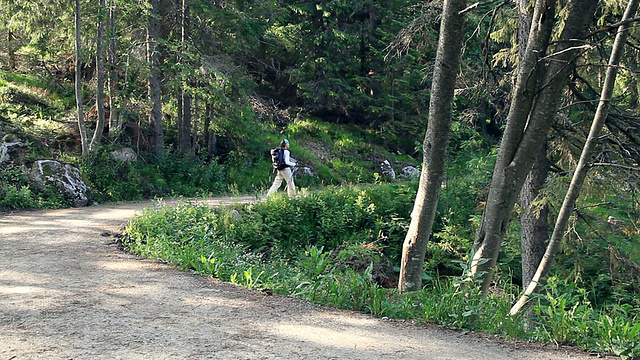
[
  {"x": 185, "y": 147},
  {"x": 583, "y": 166},
  {"x": 154, "y": 92},
  {"x": 194, "y": 136},
  {"x": 498, "y": 207},
  {"x": 100, "y": 123},
  {"x": 210, "y": 136},
  {"x": 11, "y": 50},
  {"x": 527, "y": 125},
  {"x": 534, "y": 221},
  {"x": 113, "y": 77},
  {"x": 185, "y": 129},
  {"x": 434, "y": 145},
  {"x": 81, "y": 125},
  {"x": 206, "y": 127},
  {"x": 632, "y": 86}
]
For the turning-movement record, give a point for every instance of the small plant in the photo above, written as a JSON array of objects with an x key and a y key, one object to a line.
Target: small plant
[
  {"x": 618, "y": 334},
  {"x": 12, "y": 197},
  {"x": 325, "y": 249}
]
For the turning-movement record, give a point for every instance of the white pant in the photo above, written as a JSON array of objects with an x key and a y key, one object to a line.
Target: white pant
[{"x": 286, "y": 175}]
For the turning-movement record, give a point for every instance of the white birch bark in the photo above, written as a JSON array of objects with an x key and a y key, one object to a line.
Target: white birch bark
[{"x": 583, "y": 164}]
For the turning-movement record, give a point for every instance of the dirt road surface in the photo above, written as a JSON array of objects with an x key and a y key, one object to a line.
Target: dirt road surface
[{"x": 68, "y": 292}]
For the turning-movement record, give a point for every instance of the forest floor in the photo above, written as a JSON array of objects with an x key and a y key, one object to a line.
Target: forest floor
[{"x": 67, "y": 291}]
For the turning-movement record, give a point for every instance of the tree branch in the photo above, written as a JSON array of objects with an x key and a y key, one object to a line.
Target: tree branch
[
  {"x": 630, "y": 168},
  {"x": 479, "y": 4},
  {"x": 609, "y": 27}
]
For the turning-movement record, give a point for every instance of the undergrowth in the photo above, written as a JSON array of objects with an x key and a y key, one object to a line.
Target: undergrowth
[{"x": 330, "y": 247}]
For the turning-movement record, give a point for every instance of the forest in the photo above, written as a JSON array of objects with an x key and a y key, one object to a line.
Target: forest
[{"x": 521, "y": 118}]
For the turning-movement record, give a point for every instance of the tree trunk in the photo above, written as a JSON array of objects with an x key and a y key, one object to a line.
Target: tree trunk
[
  {"x": 185, "y": 146},
  {"x": 113, "y": 77},
  {"x": 534, "y": 217},
  {"x": 11, "y": 51},
  {"x": 434, "y": 145},
  {"x": 632, "y": 86},
  {"x": 210, "y": 135},
  {"x": 534, "y": 221},
  {"x": 194, "y": 127},
  {"x": 525, "y": 14},
  {"x": 583, "y": 166},
  {"x": 154, "y": 92},
  {"x": 100, "y": 123},
  {"x": 185, "y": 123},
  {"x": 206, "y": 127},
  {"x": 81, "y": 126},
  {"x": 527, "y": 125}
]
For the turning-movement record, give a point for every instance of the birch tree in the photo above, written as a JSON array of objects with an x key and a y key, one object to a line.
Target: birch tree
[
  {"x": 536, "y": 96},
  {"x": 78, "y": 88},
  {"x": 434, "y": 145},
  {"x": 582, "y": 168},
  {"x": 100, "y": 122}
]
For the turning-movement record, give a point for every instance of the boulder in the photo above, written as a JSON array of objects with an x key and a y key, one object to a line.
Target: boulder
[
  {"x": 11, "y": 149},
  {"x": 386, "y": 170},
  {"x": 126, "y": 155},
  {"x": 235, "y": 215},
  {"x": 304, "y": 171},
  {"x": 410, "y": 172},
  {"x": 63, "y": 177}
]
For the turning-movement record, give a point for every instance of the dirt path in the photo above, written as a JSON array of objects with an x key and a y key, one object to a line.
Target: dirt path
[{"x": 67, "y": 292}]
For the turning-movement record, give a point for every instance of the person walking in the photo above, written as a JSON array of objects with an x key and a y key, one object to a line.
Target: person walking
[{"x": 284, "y": 171}]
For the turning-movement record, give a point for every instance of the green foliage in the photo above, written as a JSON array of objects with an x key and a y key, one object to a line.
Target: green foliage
[
  {"x": 333, "y": 59},
  {"x": 22, "y": 103},
  {"x": 173, "y": 175},
  {"x": 618, "y": 334},
  {"x": 327, "y": 247},
  {"x": 343, "y": 62},
  {"x": 192, "y": 237},
  {"x": 330, "y": 218},
  {"x": 340, "y": 154},
  {"x": 564, "y": 314},
  {"x": 16, "y": 192},
  {"x": 12, "y": 197},
  {"x": 280, "y": 228},
  {"x": 594, "y": 242}
]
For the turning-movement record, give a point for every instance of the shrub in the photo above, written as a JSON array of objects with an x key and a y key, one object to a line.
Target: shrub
[
  {"x": 325, "y": 247},
  {"x": 16, "y": 192},
  {"x": 173, "y": 175}
]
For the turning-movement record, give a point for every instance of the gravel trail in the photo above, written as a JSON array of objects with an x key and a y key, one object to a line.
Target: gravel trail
[{"x": 68, "y": 292}]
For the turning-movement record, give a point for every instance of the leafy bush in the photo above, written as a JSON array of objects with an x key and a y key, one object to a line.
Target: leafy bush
[
  {"x": 12, "y": 197},
  {"x": 332, "y": 217},
  {"x": 325, "y": 246},
  {"x": 565, "y": 314},
  {"x": 17, "y": 193},
  {"x": 173, "y": 175},
  {"x": 192, "y": 237}
]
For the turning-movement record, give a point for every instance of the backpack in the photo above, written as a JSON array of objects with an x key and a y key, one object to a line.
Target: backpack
[{"x": 277, "y": 158}]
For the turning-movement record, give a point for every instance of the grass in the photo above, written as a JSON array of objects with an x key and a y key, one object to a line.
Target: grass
[{"x": 330, "y": 257}]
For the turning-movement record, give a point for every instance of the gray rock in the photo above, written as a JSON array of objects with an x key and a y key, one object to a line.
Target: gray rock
[
  {"x": 386, "y": 170},
  {"x": 410, "y": 172},
  {"x": 63, "y": 177},
  {"x": 10, "y": 148},
  {"x": 303, "y": 171},
  {"x": 235, "y": 215},
  {"x": 126, "y": 155}
]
